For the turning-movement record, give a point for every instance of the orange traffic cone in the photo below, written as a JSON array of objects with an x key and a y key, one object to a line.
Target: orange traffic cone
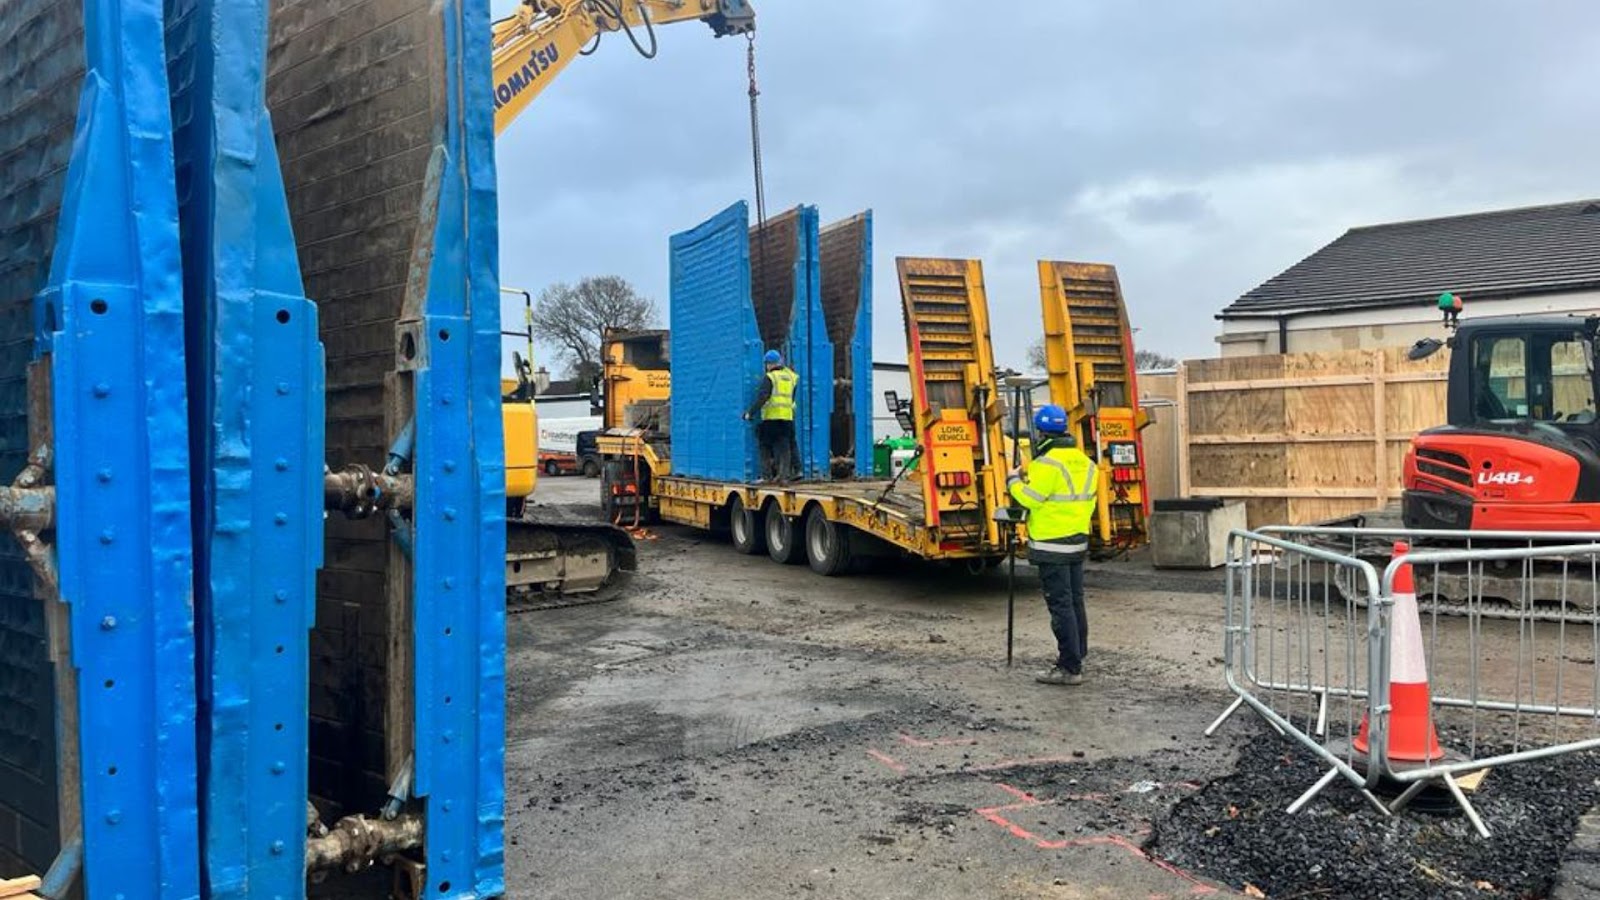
[{"x": 1412, "y": 737}]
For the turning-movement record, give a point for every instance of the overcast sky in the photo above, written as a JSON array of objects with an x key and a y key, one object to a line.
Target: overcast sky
[{"x": 1200, "y": 147}]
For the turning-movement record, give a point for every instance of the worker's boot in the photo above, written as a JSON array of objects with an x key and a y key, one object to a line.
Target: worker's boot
[{"x": 1059, "y": 675}]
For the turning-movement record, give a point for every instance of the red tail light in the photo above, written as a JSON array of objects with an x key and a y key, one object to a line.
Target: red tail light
[{"x": 953, "y": 479}]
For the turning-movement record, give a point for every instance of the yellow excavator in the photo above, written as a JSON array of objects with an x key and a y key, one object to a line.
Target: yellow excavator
[{"x": 531, "y": 47}]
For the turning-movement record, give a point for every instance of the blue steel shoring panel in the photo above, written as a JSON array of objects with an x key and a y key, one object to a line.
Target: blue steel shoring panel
[
  {"x": 716, "y": 349},
  {"x": 111, "y": 318},
  {"x": 861, "y": 358},
  {"x": 460, "y": 497},
  {"x": 256, "y": 422},
  {"x": 811, "y": 353}
]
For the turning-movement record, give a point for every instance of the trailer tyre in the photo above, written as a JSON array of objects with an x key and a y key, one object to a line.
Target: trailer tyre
[
  {"x": 827, "y": 544},
  {"x": 783, "y": 538},
  {"x": 744, "y": 527},
  {"x": 551, "y": 469}
]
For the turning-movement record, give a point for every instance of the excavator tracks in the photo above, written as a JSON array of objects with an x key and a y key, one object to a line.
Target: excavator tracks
[
  {"x": 552, "y": 564},
  {"x": 1542, "y": 591}
]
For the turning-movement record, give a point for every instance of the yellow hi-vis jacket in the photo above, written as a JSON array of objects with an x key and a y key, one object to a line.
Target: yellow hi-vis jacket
[
  {"x": 1059, "y": 492},
  {"x": 780, "y": 405}
]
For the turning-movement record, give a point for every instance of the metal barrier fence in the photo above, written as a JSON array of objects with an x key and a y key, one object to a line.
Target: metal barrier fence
[
  {"x": 1509, "y": 635},
  {"x": 1499, "y": 590},
  {"x": 1298, "y": 649}
]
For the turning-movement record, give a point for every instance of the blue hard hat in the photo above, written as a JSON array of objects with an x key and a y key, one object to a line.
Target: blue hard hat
[
  {"x": 1050, "y": 419},
  {"x": 773, "y": 357}
]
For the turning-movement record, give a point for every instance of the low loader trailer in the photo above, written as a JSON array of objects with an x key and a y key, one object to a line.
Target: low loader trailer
[{"x": 942, "y": 507}]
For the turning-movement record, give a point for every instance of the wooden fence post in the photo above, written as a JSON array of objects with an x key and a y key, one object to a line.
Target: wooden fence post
[
  {"x": 1181, "y": 395},
  {"x": 1380, "y": 430}
]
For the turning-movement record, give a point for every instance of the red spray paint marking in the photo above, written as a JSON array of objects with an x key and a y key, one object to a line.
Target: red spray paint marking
[
  {"x": 993, "y": 814},
  {"x": 1025, "y": 800},
  {"x": 887, "y": 760}
]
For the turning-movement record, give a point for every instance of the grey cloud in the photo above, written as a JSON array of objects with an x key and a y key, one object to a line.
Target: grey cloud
[
  {"x": 1185, "y": 207},
  {"x": 1200, "y": 147}
]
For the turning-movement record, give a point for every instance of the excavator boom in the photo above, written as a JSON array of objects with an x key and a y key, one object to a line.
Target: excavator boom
[
  {"x": 533, "y": 45},
  {"x": 546, "y": 556}
]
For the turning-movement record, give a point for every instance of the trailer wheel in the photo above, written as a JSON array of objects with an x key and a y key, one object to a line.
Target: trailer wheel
[
  {"x": 744, "y": 526},
  {"x": 551, "y": 469},
  {"x": 827, "y": 544},
  {"x": 783, "y": 538}
]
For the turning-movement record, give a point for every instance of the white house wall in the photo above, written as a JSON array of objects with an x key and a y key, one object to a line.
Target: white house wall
[{"x": 1383, "y": 327}]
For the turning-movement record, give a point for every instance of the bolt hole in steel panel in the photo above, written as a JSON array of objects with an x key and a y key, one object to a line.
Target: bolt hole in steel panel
[
  {"x": 390, "y": 184},
  {"x": 89, "y": 238}
]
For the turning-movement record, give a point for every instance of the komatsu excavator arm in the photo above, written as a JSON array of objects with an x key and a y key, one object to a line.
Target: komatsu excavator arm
[{"x": 533, "y": 45}]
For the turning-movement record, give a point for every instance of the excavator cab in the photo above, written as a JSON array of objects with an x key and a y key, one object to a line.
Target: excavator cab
[{"x": 1521, "y": 450}]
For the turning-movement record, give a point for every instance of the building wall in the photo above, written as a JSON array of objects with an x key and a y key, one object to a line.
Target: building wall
[
  {"x": 563, "y": 407},
  {"x": 888, "y": 377},
  {"x": 1366, "y": 329}
]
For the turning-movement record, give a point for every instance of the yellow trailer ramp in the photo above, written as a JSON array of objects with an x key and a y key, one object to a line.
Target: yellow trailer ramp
[{"x": 1089, "y": 359}]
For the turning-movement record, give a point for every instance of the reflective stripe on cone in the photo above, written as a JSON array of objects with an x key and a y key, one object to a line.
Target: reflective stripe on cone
[{"x": 1412, "y": 737}]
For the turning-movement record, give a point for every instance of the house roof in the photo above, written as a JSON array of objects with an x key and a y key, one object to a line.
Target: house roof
[{"x": 1510, "y": 252}]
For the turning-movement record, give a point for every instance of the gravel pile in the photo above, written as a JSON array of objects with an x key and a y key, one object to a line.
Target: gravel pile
[{"x": 1235, "y": 831}]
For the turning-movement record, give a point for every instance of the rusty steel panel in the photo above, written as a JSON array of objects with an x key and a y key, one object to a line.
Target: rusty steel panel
[
  {"x": 354, "y": 92},
  {"x": 774, "y": 251},
  {"x": 785, "y": 290},
  {"x": 390, "y": 181},
  {"x": 845, "y": 248}
]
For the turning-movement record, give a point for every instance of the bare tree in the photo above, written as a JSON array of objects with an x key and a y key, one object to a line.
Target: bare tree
[
  {"x": 1148, "y": 360},
  {"x": 573, "y": 317},
  {"x": 1143, "y": 360},
  {"x": 1036, "y": 361}
]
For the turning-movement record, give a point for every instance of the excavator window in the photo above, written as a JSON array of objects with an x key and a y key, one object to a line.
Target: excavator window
[
  {"x": 1501, "y": 383},
  {"x": 1571, "y": 380},
  {"x": 1546, "y": 377}
]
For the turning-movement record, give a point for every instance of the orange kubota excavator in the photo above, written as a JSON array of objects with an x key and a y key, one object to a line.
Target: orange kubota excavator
[{"x": 1521, "y": 447}]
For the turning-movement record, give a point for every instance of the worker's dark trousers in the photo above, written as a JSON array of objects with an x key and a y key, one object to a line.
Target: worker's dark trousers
[
  {"x": 778, "y": 448},
  {"x": 1063, "y": 595}
]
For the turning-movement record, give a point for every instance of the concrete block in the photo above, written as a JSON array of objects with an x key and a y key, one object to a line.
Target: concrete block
[{"x": 1193, "y": 534}]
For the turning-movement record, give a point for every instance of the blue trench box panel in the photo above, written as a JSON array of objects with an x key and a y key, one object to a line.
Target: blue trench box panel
[
  {"x": 786, "y": 291},
  {"x": 716, "y": 349},
  {"x": 90, "y": 223},
  {"x": 255, "y": 436},
  {"x": 391, "y": 194},
  {"x": 846, "y": 253}
]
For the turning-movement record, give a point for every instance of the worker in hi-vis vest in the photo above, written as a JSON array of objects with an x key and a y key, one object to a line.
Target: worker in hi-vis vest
[
  {"x": 1058, "y": 490},
  {"x": 775, "y": 404}
]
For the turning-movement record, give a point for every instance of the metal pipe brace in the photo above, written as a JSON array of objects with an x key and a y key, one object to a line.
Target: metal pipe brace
[{"x": 359, "y": 492}]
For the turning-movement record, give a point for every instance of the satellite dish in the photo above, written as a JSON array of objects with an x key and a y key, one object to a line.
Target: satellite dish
[{"x": 1424, "y": 348}]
